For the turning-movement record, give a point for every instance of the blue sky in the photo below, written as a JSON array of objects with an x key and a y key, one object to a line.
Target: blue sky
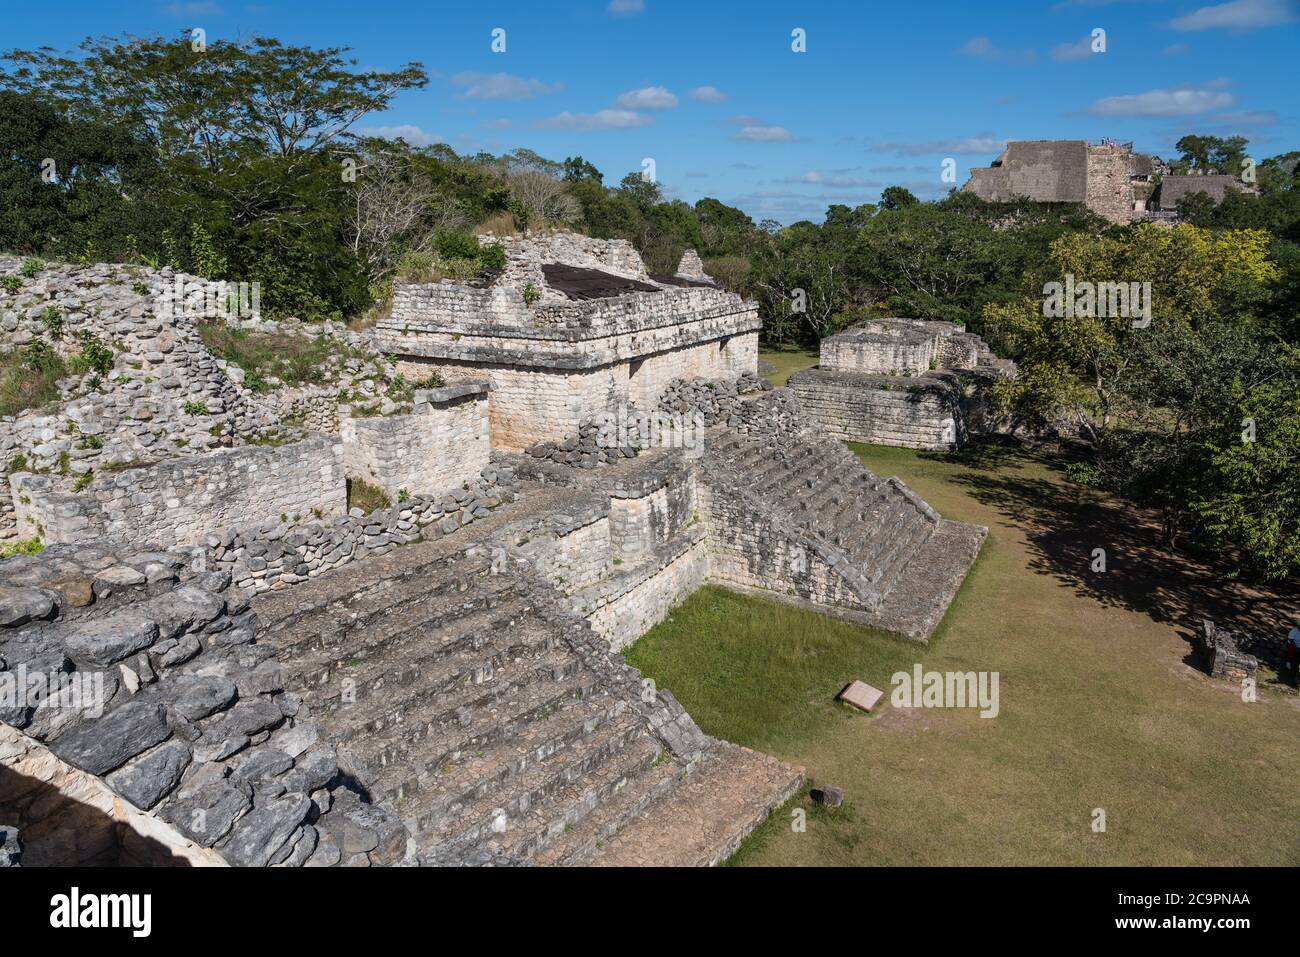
[{"x": 715, "y": 95}]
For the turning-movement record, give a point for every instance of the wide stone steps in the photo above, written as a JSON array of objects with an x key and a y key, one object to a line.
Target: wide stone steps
[
  {"x": 819, "y": 487},
  {"x": 514, "y": 778},
  {"x": 606, "y": 815},
  {"x": 579, "y": 817},
  {"x": 416, "y": 707},
  {"x": 411, "y": 759},
  {"x": 322, "y": 659}
]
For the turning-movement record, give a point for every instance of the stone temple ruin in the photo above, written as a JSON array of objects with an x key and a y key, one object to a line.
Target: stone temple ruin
[
  {"x": 901, "y": 382},
  {"x": 571, "y": 447}
]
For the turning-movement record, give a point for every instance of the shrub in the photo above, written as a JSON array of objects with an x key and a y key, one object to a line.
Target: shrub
[
  {"x": 492, "y": 256},
  {"x": 93, "y": 357},
  {"x": 456, "y": 246},
  {"x": 208, "y": 263},
  {"x": 195, "y": 408},
  {"x": 12, "y": 283},
  {"x": 52, "y": 320},
  {"x": 531, "y": 294},
  {"x": 24, "y": 546},
  {"x": 367, "y": 497},
  {"x": 31, "y": 267},
  {"x": 29, "y": 377}
]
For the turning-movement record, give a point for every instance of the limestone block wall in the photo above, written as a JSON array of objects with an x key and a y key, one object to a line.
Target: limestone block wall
[
  {"x": 532, "y": 404},
  {"x": 881, "y": 353},
  {"x": 922, "y": 413},
  {"x": 528, "y": 404},
  {"x": 439, "y": 446},
  {"x": 751, "y": 550},
  {"x": 724, "y": 358},
  {"x": 624, "y": 615},
  {"x": 641, "y": 524},
  {"x": 177, "y": 501}
]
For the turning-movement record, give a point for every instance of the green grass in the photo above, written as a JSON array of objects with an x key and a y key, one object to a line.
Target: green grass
[
  {"x": 706, "y": 652},
  {"x": 788, "y": 362},
  {"x": 1101, "y": 706},
  {"x": 295, "y": 360},
  {"x": 29, "y": 377},
  {"x": 367, "y": 497}
]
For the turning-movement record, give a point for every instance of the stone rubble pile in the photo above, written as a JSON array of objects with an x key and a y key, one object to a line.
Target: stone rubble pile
[
  {"x": 193, "y": 725},
  {"x": 165, "y": 395},
  {"x": 286, "y": 553},
  {"x": 718, "y": 402}
]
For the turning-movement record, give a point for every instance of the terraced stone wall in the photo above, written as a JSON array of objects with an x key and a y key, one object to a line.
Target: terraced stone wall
[
  {"x": 922, "y": 412},
  {"x": 179, "y": 500}
]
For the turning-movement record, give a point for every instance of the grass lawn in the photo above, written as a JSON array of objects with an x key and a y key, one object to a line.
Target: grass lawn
[
  {"x": 1100, "y": 704},
  {"x": 788, "y": 362}
]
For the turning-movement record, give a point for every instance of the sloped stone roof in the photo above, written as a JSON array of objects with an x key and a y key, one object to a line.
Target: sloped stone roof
[
  {"x": 1174, "y": 188},
  {"x": 1046, "y": 171}
]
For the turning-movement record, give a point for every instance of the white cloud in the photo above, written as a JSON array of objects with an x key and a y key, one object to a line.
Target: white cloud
[
  {"x": 831, "y": 181},
  {"x": 985, "y": 49},
  {"x": 1180, "y": 102},
  {"x": 194, "y": 9},
  {"x": 409, "y": 132},
  {"x": 1239, "y": 15},
  {"x": 600, "y": 120},
  {"x": 708, "y": 94},
  {"x": 647, "y": 98},
  {"x": 1248, "y": 118},
  {"x": 962, "y": 145},
  {"x": 763, "y": 134},
  {"x": 502, "y": 86},
  {"x": 626, "y": 8},
  {"x": 1080, "y": 49}
]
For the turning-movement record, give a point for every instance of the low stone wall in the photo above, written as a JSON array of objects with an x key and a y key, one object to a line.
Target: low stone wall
[
  {"x": 285, "y": 553},
  {"x": 177, "y": 501},
  {"x": 439, "y": 446},
  {"x": 919, "y": 412}
]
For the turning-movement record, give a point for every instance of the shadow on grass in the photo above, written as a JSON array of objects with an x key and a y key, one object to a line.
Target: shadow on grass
[{"x": 1064, "y": 523}]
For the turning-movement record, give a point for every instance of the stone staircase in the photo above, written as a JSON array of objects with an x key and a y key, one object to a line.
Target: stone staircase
[
  {"x": 469, "y": 701},
  {"x": 902, "y": 560}
]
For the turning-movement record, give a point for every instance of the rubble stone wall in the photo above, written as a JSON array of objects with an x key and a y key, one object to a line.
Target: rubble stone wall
[
  {"x": 1110, "y": 190},
  {"x": 178, "y": 501},
  {"x": 184, "y": 722},
  {"x": 440, "y": 446}
]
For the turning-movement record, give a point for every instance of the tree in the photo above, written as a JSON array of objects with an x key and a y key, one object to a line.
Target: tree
[{"x": 897, "y": 197}]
